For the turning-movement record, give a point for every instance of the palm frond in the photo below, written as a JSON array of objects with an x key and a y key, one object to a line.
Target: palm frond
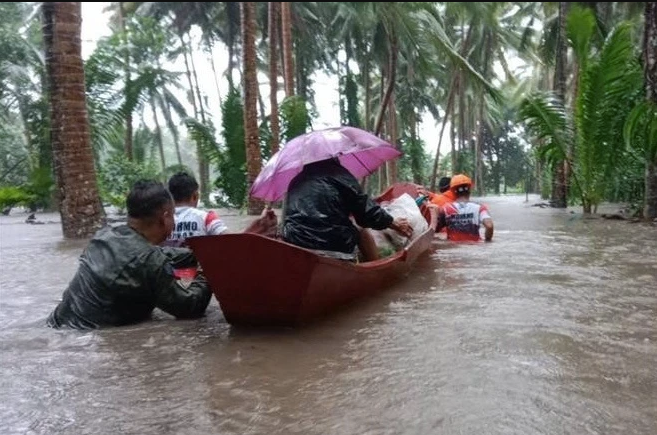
[
  {"x": 204, "y": 137},
  {"x": 547, "y": 119},
  {"x": 580, "y": 28},
  {"x": 606, "y": 83},
  {"x": 640, "y": 130}
]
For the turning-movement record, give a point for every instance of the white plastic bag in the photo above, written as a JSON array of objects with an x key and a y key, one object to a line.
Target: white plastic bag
[{"x": 405, "y": 207}]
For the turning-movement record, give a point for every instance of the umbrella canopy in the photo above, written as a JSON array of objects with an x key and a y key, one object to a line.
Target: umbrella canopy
[{"x": 359, "y": 151}]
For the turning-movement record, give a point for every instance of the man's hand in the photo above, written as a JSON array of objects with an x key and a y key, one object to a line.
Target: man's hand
[
  {"x": 265, "y": 224},
  {"x": 402, "y": 226},
  {"x": 421, "y": 190}
]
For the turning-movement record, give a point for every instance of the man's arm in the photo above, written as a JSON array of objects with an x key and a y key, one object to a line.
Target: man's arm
[
  {"x": 487, "y": 222},
  {"x": 366, "y": 211},
  {"x": 442, "y": 218},
  {"x": 265, "y": 225},
  {"x": 488, "y": 226},
  {"x": 180, "y": 258},
  {"x": 171, "y": 296},
  {"x": 214, "y": 225}
]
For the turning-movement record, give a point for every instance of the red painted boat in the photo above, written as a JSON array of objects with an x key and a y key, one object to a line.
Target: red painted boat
[{"x": 260, "y": 281}]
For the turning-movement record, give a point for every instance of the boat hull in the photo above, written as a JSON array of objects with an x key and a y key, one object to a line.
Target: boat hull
[{"x": 260, "y": 281}]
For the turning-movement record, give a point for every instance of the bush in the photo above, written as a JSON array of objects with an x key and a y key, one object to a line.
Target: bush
[
  {"x": 12, "y": 196},
  {"x": 117, "y": 176}
]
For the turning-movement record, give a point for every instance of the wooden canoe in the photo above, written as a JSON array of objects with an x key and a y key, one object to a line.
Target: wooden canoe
[{"x": 261, "y": 281}]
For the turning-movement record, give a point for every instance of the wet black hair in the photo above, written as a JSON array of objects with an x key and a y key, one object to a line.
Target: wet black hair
[
  {"x": 182, "y": 186},
  {"x": 443, "y": 184},
  {"x": 147, "y": 198}
]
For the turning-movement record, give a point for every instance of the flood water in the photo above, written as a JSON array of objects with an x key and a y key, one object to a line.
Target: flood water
[{"x": 550, "y": 329}]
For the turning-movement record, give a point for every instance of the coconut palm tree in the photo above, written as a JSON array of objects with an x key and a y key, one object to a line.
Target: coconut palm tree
[
  {"x": 650, "y": 71},
  {"x": 80, "y": 206},
  {"x": 253, "y": 161},
  {"x": 640, "y": 130}
]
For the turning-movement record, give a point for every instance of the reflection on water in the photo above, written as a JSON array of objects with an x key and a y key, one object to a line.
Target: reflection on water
[{"x": 551, "y": 329}]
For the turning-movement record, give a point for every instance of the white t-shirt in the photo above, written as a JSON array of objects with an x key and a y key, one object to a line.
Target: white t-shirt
[
  {"x": 463, "y": 220},
  {"x": 190, "y": 221}
]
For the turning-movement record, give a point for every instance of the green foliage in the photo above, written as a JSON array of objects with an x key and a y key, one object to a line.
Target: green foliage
[
  {"x": 110, "y": 98},
  {"x": 295, "y": 119},
  {"x": 349, "y": 101},
  {"x": 40, "y": 185},
  {"x": 232, "y": 161},
  {"x": 580, "y": 28},
  {"x": 547, "y": 119},
  {"x": 412, "y": 163},
  {"x": 204, "y": 137},
  {"x": 14, "y": 158},
  {"x": 117, "y": 176},
  {"x": 609, "y": 86},
  {"x": 640, "y": 130},
  {"x": 12, "y": 196},
  {"x": 465, "y": 162}
]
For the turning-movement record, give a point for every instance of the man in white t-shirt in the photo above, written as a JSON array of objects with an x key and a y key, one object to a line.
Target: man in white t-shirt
[{"x": 189, "y": 219}]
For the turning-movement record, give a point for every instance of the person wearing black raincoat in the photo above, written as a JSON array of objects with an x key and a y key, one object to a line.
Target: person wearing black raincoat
[
  {"x": 123, "y": 276},
  {"x": 319, "y": 205}
]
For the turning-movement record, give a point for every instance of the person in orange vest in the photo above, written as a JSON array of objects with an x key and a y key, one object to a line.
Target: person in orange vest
[
  {"x": 439, "y": 199},
  {"x": 445, "y": 195},
  {"x": 462, "y": 217}
]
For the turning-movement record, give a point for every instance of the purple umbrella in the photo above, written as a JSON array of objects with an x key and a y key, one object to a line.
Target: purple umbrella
[{"x": 359, "y": 151}]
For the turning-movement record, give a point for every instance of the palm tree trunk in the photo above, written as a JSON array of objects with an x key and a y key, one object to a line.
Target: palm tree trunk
[
  {"x": 203, "y": 166},
  {"x": 188, "y": 72},
  {"x": 448, "y": 110},
  {"x": 166, "y": 110},
  {"x": 233, "y": 12},
  {"x": 128, "y": 81},
  {"x": 462, "y": 112},
  {"x": 253, "y": 163},
  {"x": 368, "y": 94},
  {"x": 392, "y": 74},
  {"x": 158, "y": 136},
  {"x": 479, "y": 166},
  {"x": 392, "y": 164},
  {"x": 274, "y": 12},
  {"x": 80, "y": 207},
  {"x": 288, "y": 61},
  {"x": 383, "y": 170},
  {"x": 559, "y": 190},
  {"x": 650, "y": 73},
  {"x": 261, "y": 105},
  {"x": 452, "y": 133},
  {"x": 214, "y": 74}
]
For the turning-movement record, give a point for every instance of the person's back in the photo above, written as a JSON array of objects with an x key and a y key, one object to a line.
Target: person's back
[
  {"x": 189, "y": 219},
  {"x": 462, "y": 217},
  {"x": 320, "y": 203},
  {"x": 123, "y": 275}
]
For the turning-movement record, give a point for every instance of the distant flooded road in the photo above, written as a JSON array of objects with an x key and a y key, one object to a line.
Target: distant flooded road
[{"x": 551, "y": 329}]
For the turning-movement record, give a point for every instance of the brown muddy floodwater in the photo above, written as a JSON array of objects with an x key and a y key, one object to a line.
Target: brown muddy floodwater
[{"x": 551, "y": 329}]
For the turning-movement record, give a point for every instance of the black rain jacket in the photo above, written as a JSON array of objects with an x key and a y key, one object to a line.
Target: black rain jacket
[{"x": 319, "y": 203}]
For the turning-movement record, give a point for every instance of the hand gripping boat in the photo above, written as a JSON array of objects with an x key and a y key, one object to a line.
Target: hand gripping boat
[{"x": 261, "y": 281}]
